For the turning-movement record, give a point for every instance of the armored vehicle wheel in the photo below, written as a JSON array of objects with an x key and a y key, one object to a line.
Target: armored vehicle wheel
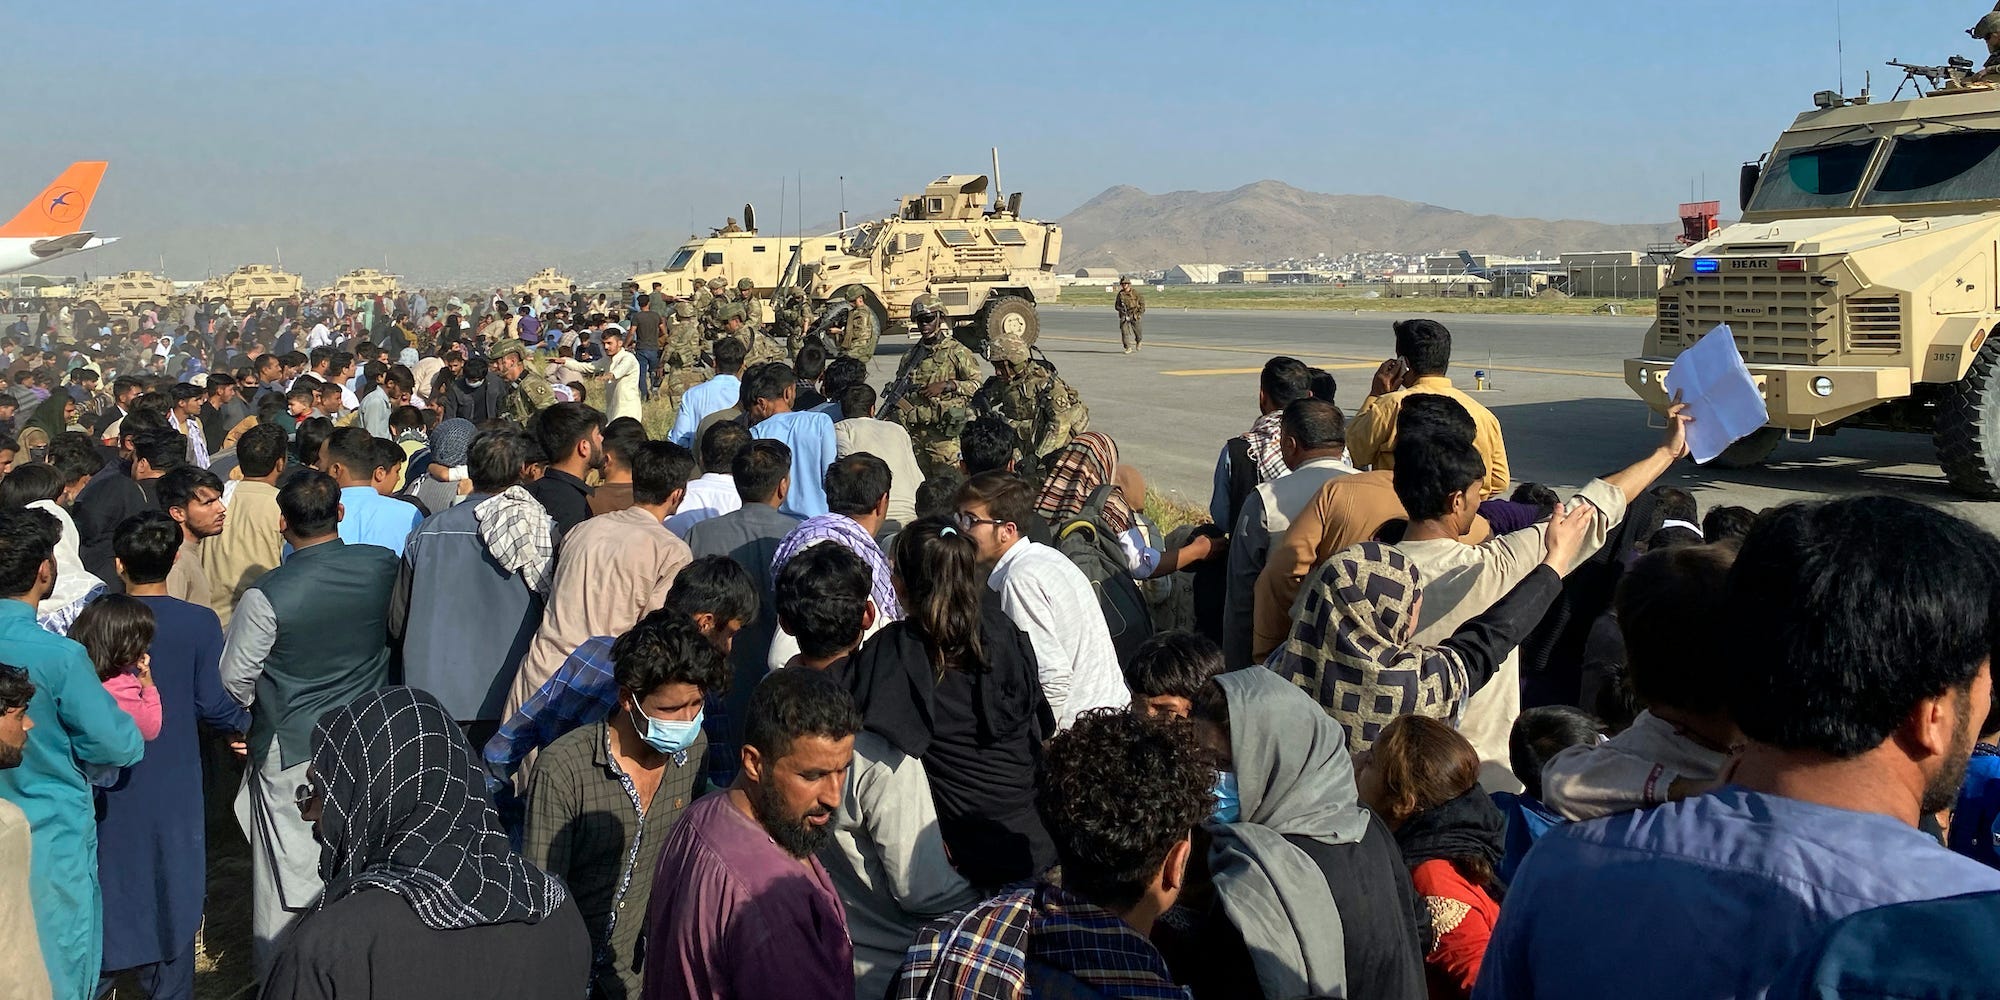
[
  {"x": 1967, "y": 428},
  {"x": 1750, "y": 451},
  {"x": 1012, "y": 315}
]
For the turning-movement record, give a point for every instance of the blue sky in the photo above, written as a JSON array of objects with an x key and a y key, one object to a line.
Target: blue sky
[{"x": 399, "y": 123}]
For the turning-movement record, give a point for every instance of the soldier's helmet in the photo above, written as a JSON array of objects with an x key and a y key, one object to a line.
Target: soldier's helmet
[
  {"x": 855, "y": 293},
  {"x": 732, "y": 311},
  {"x": 1010, "y": 348},
  {"x": 924, "y": 311},
  {"x": 716, "y": 284},
  {"x": 745, "y": 284},
  {"x": 1986, "y": 25},
  {"x": 684, "y": 309}
]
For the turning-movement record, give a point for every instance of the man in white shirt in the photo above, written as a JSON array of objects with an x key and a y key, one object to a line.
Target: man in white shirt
[
  {"x": 1046, "y": 596},
  {"x": 714, "y": 494},
  {"x": 620, "y": 370},
  {"x": 321, "y": 335},
  {"x": 1441, "y": 487},
  {"x": 1312, "y": 438},
  {"x": 856, "y": 429}
]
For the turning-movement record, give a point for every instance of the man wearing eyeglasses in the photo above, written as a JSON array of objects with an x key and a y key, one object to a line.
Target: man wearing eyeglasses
[{"x": 1046, "y": 596}]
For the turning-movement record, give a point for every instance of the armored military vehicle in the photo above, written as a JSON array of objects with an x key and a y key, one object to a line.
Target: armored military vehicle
[
  {"x": 1863, "y": 281},
  {"x": 128, "y": 292},
  {"x": 733, "y": 254},
  {"x": 252, "y": 283},
  {"x": 544, "y": 282},
  {"x": 364, "y": 281},
  {"x": 985, "y": 266}
]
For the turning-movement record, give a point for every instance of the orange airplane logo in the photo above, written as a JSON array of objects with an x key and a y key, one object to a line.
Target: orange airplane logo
[{"x": 59, "y": 209}]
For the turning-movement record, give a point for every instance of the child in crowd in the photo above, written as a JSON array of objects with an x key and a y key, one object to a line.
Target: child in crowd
[
  {"x": 1678, "y": 744},
  {"x": 1422, "y": 778},
  {"x": 1168, "y": 669},
  {"x": 117, "y": 630},
  {"x": 1538, "y": 735}
]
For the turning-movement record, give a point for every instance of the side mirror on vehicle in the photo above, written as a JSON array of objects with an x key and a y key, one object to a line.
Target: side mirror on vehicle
[{"x": 1746, "y": 184}]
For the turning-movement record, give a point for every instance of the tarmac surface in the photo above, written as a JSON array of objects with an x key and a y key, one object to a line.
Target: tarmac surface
[{"x": 1556, "y": 383}]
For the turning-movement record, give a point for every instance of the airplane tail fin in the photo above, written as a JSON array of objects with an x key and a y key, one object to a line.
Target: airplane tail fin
[
  {"x": 1471, "y": 266},
  {"x": 59, "y": 209}
]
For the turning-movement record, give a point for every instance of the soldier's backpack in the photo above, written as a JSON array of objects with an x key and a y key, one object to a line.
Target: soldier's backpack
[{"x": 1093, "y": 548}]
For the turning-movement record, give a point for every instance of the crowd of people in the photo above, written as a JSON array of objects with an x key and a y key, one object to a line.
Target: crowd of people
[{"x": 821, "y": 692}]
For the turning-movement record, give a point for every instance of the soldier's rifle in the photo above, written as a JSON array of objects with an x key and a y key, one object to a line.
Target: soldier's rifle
[
  {"x": 1952, "y": 74},
  {"x": 900, "y": 387}
]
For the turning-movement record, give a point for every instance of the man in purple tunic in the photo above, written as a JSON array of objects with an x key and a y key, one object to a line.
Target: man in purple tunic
[{"x": 741, "y": 907}]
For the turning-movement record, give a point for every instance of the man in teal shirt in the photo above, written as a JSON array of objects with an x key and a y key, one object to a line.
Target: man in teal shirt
[{"x": 76, "y": 721}]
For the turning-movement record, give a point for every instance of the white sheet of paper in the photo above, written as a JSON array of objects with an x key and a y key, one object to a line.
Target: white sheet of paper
[{"x": 1721, "y": 396}]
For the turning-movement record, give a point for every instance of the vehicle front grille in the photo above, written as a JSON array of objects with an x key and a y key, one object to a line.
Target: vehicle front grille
[
  {"x": 1668, "y": 312},
  {"x": 1781, "y": 319},
  {"x": 1875, "y": 324}
]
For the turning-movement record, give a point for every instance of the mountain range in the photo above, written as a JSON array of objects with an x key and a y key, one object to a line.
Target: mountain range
[
  {"x": 1128, "y": 229},
  {"x": 1123, "y": 227}
]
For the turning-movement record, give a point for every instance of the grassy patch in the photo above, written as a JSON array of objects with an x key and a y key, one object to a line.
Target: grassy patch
[
  {"x": 1352, "y": 299},
  {"x": 1169, "y": 513}
]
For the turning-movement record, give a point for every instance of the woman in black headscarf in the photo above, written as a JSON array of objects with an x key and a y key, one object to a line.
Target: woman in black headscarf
[
  {"x": 422, "y": 889},
  {"x": 955, "y": 685}
]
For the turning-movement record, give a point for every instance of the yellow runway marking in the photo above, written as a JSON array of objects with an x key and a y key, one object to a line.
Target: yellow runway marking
[
  {"x": 1359, "y": 362},
  {"x": 1185, "y": 372}
]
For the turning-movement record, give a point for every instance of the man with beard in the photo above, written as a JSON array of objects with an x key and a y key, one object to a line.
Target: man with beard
[
  {"x": 740, "y": 905},
  {"x": 1856, "y": 643}
]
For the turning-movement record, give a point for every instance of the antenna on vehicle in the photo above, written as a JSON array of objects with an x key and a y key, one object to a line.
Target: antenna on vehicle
[
  {"x": 1839, "y": 49},
  {"x": 996, "y": 179},
  {"x": 843, "y": 201}
]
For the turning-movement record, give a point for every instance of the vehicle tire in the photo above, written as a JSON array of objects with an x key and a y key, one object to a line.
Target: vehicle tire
[
  {"x": 1966, "y": 430},
  {"x": 1750, "y": 451},
  {"x": 1011, "y": 314}
]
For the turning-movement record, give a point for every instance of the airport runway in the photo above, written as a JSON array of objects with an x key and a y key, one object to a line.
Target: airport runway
[{"x": 1556, "y": 385}]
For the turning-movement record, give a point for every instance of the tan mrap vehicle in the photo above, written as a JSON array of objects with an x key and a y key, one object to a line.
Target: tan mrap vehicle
[
  {"x": 252, "y": 283},
  {"x": 985, "y": 266},
  {"x": 1862, "y": 283},
  {"x": 544, "y": 282},
  {"x": 362, "y": 281},
  {"x": 733, "y": 256},
  {"x": 128, "y": 292}
]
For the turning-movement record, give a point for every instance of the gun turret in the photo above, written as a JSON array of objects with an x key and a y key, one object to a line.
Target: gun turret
[{"x": 1952, "y": 74}]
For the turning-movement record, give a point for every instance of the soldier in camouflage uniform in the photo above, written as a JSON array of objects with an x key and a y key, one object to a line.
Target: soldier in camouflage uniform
[
  {"x": 788, "y": 318},
  {"x": 528, "y": 392},
  {"x": 758, "y": 347},
  {"x": 703, "y": 295},
  {"x": 723, "y": 298},
  {"x": 857, "y": 339},
  {"x": 1130, "y": 309},
  {"x": 681, "y": 353},
  {"x": 1987, "y": 30},
  {"x": 932, "y": 393},
  {"x": 746, "y": 296},
  {"x": 1044, "y": 411}
]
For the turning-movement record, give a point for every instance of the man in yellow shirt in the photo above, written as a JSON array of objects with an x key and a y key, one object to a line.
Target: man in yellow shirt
[{"x": 1423, "y": 353}]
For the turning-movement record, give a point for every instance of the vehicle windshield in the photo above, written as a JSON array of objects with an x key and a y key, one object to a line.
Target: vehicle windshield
[
  {"x": 862, "y": 243},
  {"x": 1812, "y": 177},
  {"x": 681, "y": 257},
  {"x": 1949, "y": 166}
]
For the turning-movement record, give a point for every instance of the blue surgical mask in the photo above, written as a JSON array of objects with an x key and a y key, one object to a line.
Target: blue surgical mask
[
  {"x": 666, "y": 736},
  {"x": 1228, "y": 809}
]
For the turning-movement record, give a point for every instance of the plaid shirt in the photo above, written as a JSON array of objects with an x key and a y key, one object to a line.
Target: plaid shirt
[
  {"x": 582, "y": 691},
  {"x": 1037, "y": 940}
]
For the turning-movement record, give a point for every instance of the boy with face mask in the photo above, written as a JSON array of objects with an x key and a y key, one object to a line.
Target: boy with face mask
[{"x": 602, "y": 788}]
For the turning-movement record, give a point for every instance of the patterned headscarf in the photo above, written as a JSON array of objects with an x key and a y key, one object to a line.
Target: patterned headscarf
[
  {"x": 1075, "y": 472},
  {"x": 1350, "y": 646},
  {"x": 450, "y": 439},
  {"x": 404, "y": 810},
  {"x": 1262, "y": 443}
]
